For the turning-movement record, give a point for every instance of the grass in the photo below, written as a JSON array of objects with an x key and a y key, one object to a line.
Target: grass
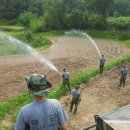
[
  {"x": 127, "y": 43},
  {"x": 50, "y": 33},
  {"x": 9, "y": 105},
  {"x": 40, "y": 41},
  {"x": 7, "y": 47},
  {"x": 11, "y": 28},
  {"x": 110, "y": 34},
  {"x": 83, "y": 77}
]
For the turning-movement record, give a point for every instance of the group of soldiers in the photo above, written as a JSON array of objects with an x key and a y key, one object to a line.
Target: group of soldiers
[
  {"x": 76, "y": 95},
  {"x": 123, "y": 72},
  {"x": 48, "y": 114},
  {"x": 75, "y": 92}
]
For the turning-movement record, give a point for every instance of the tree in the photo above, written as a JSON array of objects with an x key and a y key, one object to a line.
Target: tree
[
  {"x": 103, "y": 6},
  {"x": 54, "y": 14},
  {"x": 121, "y": 6},
  {"x": 10, "y": 9},
  {"x": 37, "y": 7},
  {"x": 71, "y": 5}
]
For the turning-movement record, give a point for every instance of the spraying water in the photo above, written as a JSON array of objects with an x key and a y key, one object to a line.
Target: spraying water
[
  {"x": 28, "y": 49},
  {"x": 85, "y": 35}
]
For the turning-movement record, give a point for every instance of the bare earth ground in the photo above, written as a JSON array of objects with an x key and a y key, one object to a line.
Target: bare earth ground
[{"x": 99, "y": 96}]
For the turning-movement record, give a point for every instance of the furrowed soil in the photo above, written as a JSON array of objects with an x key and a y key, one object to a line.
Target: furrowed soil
[{"x": 99, "y": 96}]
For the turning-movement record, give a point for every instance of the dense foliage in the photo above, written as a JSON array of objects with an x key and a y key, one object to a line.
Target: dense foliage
[{"x": 44, "y": 15}]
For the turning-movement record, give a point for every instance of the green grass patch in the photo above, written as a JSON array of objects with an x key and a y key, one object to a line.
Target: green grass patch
[
  {"x": 3, "y": 127},
  {"x": 14, "y": 47},
  {"x": 16, "y": 34},
  {"x": 127, "y": 43},
  {"x": 50, "y": 33},
  {"x": 9, "y": 105},
  {"x": 11, "y": 28},
  {"x": 40, "y": 42},
  {"x": 9, "y": 48}
]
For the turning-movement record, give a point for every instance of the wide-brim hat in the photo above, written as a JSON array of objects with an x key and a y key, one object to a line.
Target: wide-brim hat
[{"x": 38, "y": 85}]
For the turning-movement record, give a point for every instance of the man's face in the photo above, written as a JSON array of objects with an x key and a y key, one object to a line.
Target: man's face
[
  {"x": 124, "y": 67},
  {"x": 102, "y": 56}
]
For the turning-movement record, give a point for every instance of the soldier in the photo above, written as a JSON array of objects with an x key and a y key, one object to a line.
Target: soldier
[
  {"x": 66, "y": 76},
  {"x": 75, "y": 98},
  {"x": 42, "y": 113},
  {"x": 123, "y": 74},
  {"x": 102, "y": 63}
]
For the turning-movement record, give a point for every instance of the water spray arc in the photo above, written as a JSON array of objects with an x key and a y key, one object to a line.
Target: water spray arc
[
  {"x": 85, "y": 35},
  {"x": 29, "y": 49}
]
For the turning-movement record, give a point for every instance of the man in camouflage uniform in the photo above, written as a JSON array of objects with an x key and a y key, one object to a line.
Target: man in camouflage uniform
[
  {"x": 75, "y": 98},
  {"x": 123, "y": 74},
  {"x": 41, "y": 113},
  {"x": 102, "y": 63}
]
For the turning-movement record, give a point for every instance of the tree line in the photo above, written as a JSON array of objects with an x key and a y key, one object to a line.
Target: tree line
[{"x": 43, "y": 15}]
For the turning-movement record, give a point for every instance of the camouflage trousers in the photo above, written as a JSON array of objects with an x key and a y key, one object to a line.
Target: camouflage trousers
[
  {"x": 74, "y": 102},
  {"x": 101, "y": 68},
  {"x": 66, "y": 82},
  {"x": 122, "y": 80}
]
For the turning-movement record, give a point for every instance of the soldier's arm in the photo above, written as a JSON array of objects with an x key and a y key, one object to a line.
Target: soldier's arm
[{"x": 64, "y": 126}]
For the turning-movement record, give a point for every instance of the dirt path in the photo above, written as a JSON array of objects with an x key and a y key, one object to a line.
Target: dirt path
[{"x": 100, "y": 96}]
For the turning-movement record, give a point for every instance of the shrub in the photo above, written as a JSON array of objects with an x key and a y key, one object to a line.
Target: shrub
[
  {"x": 116, "y": 14},
  {"x": 119, "y": 23},
  {"x": 76, "y": 19},
  {"x": 29, "y": 36},
  {"x": 125, "y": 36},
  {"x": 97, "y": 22},
  {"x": 39, "y": 42},
  {"x": 37, "y": 25},
  {"x": 25, "y": 18}
]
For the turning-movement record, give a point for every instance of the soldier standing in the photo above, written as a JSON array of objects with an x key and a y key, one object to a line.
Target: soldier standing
[
  {"x": 42, "y": 113},
  {"x": 66, "y": 76},
  {"x": 123, "y": 74},
  {"x": 102, "y": 63},
  {"x": 75, "y": 98}
]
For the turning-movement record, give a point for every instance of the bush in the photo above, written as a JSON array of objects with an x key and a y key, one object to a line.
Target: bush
[
  {"x": 39, "y": 42},
  {"x": 97, "y": 22},
  {"x": 125, "y": 36},
  {"x": 37, "y": 25},
  {"x": 25, "y": 18},
  {"x": 3, "y": 22},
  {"x": 29, "y": 36},
  {"x": 116, "y": 14},
  {"x": 76, "y": 19},
  {"x": 119, "y": 23}
]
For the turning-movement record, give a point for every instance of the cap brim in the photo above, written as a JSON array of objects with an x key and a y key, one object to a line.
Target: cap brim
[
  {"x": 27, "y": 78},
  {"x": 42, "y": 92}
]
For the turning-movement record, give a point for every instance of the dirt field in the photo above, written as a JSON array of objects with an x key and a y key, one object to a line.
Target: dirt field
[{"x": 100, "y": 95}]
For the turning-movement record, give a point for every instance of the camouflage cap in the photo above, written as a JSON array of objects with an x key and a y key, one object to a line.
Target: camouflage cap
[{"x": 38, "y": 85}]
